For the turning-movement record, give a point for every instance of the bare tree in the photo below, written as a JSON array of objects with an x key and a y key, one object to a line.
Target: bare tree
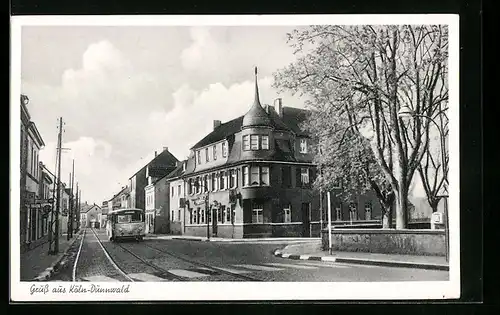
[{"x": 358, "y": 77}]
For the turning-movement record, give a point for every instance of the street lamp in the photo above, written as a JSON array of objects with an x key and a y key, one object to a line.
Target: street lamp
[{"x": 406, "y": 111}]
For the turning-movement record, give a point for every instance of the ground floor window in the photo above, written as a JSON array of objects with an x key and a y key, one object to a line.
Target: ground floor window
[
  {"x": 287, "y": 213},
  {"x": 353, "y": 213},
  {"x": 202, "y": 216},
  {"x": 258, "y": 214},
  {"x": 220, "y": 214},
  {"x": 338, "y": 213},
  {"x": 179, "y": 215},
  {"x": 368, "y": 211},
  {"x": 172, "y": 216},
  {"x": 190, "y": 216}
]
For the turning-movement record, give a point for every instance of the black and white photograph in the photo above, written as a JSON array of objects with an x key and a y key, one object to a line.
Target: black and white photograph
[{"x": 183, "y": 158}]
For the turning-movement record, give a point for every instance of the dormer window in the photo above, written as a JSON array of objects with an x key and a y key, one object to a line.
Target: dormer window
[
  {"x": 207, "y": 156},
  {"x": 214, "y": 149},
  {"x": 303, "y": 146},
  {"x": 224, "y": 149},
  {"x": 198, "y": 156}
]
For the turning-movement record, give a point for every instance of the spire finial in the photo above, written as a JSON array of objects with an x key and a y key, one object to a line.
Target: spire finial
[{"x": 257, "y": 101}]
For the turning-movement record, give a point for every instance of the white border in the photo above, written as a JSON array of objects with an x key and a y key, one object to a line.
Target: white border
[{"x": 186, "y": 291}]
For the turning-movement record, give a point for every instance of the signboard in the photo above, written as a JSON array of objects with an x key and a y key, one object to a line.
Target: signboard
[{"x": 437, "y": 218}]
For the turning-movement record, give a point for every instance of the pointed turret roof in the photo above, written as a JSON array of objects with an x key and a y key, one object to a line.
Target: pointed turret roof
[{"x": 256, "y": 116}]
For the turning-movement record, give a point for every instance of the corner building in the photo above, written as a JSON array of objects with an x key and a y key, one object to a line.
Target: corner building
[{"x": 252, "y": 177}]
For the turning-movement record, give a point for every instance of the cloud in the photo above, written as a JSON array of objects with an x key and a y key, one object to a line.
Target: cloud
[{"x": 194, "y": 111}]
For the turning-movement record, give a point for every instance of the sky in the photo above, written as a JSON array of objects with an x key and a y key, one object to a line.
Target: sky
[{"x": 125, "y": 92}]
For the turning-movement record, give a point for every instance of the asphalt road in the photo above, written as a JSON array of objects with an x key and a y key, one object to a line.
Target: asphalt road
[{"x": 184, "y": 260}]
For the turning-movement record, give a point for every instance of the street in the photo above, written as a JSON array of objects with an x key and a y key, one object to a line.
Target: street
[{"x": 95, "y": 259}]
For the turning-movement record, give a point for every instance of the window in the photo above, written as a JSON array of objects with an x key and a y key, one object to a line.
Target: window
[
  {"x": 353, "y": 214},
  {"x": 228, "y": 215},
  {"x": 303, "y": 146},
  {"x": 304, "y": 176},
  {"x": 246, "y": 178},
  {"x": 223, "y": 180},
  {"x": 264, "y": 143},
  {"x": 257, "y": 214},
  {"x": 214, "y": 152},
  {"x": 198, "y": 185},
  {"x": 287, "y": 212},
  {"x": 254, "y": 142},
  {"x": 254, "y": 176},
  {"x": 179, "y": 215},
  {"x": 205, "y": 183},
  {"x": 214, "y": 182},
  {"x": 202, "y": 215},
  {"x": 286, "y": 176},
  {"x": 209, "y": 215},
  {"x": 264, "y": 175},
  {"x": 179, "y": 190},
  {"x": 368, "y": 211},
  {"x": 207, "y": 157},
  {"x": 220, "y": 214},
  {"x": 172, "y": 216},
  {"x": 224, "y": 149},
  {"x": 232, "y": 179},
  {"x": 338, "y": 213},
  {"x": 198, "y": 153},
  {"x": 172, "y": 191},
  {"x": 190, "y": 216},
  {"x": 128, "y": 218},
  {"x": 246, "y": 143}
]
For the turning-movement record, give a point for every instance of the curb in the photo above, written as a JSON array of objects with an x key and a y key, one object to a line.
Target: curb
[
  {"x": 57, "y": 264},
  {"x": 373, "y": 262}
]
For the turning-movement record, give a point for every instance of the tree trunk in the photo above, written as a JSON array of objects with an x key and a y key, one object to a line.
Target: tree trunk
[
  {"x": 401, "y": 206},
  {"x": 386, "y": 217}
]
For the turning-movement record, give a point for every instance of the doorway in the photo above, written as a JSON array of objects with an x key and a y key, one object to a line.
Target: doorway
[
  {"x": 306, "y": 220},
  {"x": 214, "y": 221}
]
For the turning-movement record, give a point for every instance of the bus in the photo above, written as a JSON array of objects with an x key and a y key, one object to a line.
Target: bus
[{"x": 127, "y": 223}]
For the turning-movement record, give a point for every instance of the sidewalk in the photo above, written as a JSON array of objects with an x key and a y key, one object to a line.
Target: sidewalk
[
  {"x": 234, "y": 240},
  {"x": 314, "y": 252},
  {"x": 37, "y": 262}
]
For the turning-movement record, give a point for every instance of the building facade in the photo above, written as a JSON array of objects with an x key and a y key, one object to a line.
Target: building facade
[
  {"x": 252, "y": 177},
  {"x": 104, "y": 214},
  {"x": 177, "y": 198},
  {"x": 162, "y": 164},
  {"x": 31, "y": 143}
]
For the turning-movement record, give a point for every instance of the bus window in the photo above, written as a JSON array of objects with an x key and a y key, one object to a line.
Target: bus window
[{"x": 129, "y": 217}]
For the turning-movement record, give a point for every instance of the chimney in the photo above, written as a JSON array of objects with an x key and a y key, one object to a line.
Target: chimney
[
  {"x": 278, "y": 106},
  {"x": 165, "y": 148},
  {"x": 217, "y": 123},
  {"x": 156, "y": 153}
]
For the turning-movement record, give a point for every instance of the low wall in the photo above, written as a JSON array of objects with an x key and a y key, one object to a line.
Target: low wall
[{"x": 410, "y": 242}]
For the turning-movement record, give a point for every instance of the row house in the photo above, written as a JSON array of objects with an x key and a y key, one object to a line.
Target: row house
[
  {"x": 30, "y": 145},
  {"x": 157, "y": 195},
  {"x": 160, "y": 165},
  {"x": 119, "y": 201},
  {"x": 177, "y": 191},
  {"x": 252, "y": 177}
]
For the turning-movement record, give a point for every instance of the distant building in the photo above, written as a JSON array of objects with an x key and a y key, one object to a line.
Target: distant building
[
  {"x": 89, "y": 216},
  {"x": 121, "y": 200},
  {"x": 159, "y": 166}
]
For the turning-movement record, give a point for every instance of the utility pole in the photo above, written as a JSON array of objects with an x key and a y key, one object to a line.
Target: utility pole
[
  {"x": 69, "y": 234},
  {"x": 329, "y": 223},
  {"x": 58, "y": 204},
  {"x": 77, "y": 213}
]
